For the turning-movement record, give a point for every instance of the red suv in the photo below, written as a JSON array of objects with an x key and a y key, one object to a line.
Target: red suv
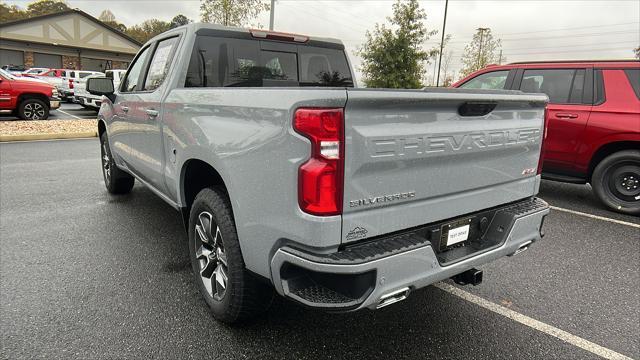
[
  {"x": 28, "y": 98},
  {"x": 593, "y": 122}
]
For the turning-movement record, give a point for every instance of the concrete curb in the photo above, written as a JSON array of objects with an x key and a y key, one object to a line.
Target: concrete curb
[{"x": 53, "y": 136}]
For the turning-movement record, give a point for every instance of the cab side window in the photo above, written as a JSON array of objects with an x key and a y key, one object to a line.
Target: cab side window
[
  {"x": 562, "y": 86},
  {"x": 130, "y": 83},
  {"x": 494, "y": 80},
  {"x": 160, "y": 64}
]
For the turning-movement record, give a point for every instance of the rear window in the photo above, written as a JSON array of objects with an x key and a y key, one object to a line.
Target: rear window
[
  {"x": 634, "y": 79},
  {"x": 228, "y": 62},
  {"x": 323, "y": 67}
]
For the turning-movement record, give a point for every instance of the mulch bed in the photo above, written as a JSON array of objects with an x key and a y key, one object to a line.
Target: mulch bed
[{"x": 47, "y": 127}]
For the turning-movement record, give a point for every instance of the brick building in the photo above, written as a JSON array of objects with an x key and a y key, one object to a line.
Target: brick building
[{"x": 70, "y": 39}]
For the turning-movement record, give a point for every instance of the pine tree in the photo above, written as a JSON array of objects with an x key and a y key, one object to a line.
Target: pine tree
[{"x": 394, "y": 57}]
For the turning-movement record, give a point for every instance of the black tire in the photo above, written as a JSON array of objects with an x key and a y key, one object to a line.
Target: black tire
[
  {"x": 616, "y": 181},
  {"x": 33, "y": 109},
  {"x": 243, "y": 296},
  {"x": 116, "y": 181}
]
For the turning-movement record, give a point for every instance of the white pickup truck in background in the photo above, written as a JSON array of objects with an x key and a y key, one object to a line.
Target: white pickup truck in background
[{"x": 88, "y": 100}]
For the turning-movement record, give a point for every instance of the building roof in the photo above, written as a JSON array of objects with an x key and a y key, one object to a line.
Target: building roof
[{"x": 54, "y": 29}]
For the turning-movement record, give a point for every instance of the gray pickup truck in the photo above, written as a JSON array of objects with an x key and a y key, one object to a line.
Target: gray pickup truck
[{"x": 288, "y": 177}]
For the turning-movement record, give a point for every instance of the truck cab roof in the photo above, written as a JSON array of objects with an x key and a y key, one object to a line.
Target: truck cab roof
[{"x": 257, "y": 34}]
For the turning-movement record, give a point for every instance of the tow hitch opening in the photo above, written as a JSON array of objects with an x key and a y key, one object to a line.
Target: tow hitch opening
[{"x": 471, "y": 276}]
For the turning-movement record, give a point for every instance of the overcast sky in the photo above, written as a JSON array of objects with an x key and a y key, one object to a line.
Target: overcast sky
[{"x": 529, "y": 29}]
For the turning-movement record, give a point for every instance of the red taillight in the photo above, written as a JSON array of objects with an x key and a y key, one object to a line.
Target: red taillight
[
  {"x": 274, "y": 35},
  {"x": 70, "y": 83},
  {"x": 543, "y": 137},
  {"x": 320, "y": 179}
]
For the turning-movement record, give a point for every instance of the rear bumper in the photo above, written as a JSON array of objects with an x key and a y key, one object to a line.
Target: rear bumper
[
  {"x": 352, "y": 280},
  {"x": 91, "y": 102}
]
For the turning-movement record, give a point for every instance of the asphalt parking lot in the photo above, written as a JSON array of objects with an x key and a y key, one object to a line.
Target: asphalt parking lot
[
  {"x": 87, "y": 275},
  {"x": 66, "y": 111}
]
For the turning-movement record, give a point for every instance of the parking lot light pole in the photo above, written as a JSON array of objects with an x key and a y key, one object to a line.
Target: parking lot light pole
[
  {"x": 481, "y": 30},
  {"x": 273, "y": 9},
  {"x": 444, "y": 25}
]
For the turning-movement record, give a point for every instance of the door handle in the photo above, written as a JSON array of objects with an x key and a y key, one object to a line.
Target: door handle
[
  {"x": 152, "y": 113},
  {"x": 566, "y": 116},
  {"x": 125, "y": 108}
]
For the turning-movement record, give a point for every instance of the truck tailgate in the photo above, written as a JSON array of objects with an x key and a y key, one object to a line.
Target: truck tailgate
[{"x": 411, "y": 158}]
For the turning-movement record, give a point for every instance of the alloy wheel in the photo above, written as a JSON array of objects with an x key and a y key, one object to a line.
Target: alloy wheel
[
  {"x": 106, "y": 163},
  {"x": 34, "y": 111},
  {"x": 211, "y": 257}
]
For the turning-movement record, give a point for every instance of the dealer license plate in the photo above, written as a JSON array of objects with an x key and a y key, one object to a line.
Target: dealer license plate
[{"x": 458, "y": 235}]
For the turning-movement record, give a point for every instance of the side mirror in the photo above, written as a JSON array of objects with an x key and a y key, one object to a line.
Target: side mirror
[{"x": 100, "y": 86}]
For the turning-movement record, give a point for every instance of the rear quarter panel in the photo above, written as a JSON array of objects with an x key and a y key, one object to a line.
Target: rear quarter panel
[
  {"x": 617, "y": 119},
  {"x": 246, "y": 134}
]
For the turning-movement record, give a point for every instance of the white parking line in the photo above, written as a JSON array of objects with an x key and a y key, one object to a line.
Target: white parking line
[
  {"x": 534, "y": 324},
  {"x": 66, "y": 113},
  {"x": 620, "y": 222}
]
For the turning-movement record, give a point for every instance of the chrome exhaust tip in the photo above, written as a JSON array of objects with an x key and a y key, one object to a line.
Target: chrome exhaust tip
[
  {"x": 393, "y": 297},
  {"x": 524, "y": 247}
]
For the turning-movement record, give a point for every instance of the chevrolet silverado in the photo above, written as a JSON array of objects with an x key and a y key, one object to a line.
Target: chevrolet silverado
[{"x": 288, "y": 177}]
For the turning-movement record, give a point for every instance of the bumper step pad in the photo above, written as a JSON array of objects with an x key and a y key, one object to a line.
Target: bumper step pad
[
  {"x": 365, "y": 252},
  {"x": 388, "y": 245}
]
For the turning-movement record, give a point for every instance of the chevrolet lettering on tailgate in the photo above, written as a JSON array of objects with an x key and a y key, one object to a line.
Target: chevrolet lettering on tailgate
[{"x": 429, "y": 144}]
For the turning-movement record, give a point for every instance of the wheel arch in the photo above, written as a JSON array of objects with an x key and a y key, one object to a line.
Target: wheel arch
[
  {"x": 24, "y": 96},
  {"x": 102, "y": 128},
  {"x": 608, "y": 149},
  {"x": 196, "y": 175}
]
